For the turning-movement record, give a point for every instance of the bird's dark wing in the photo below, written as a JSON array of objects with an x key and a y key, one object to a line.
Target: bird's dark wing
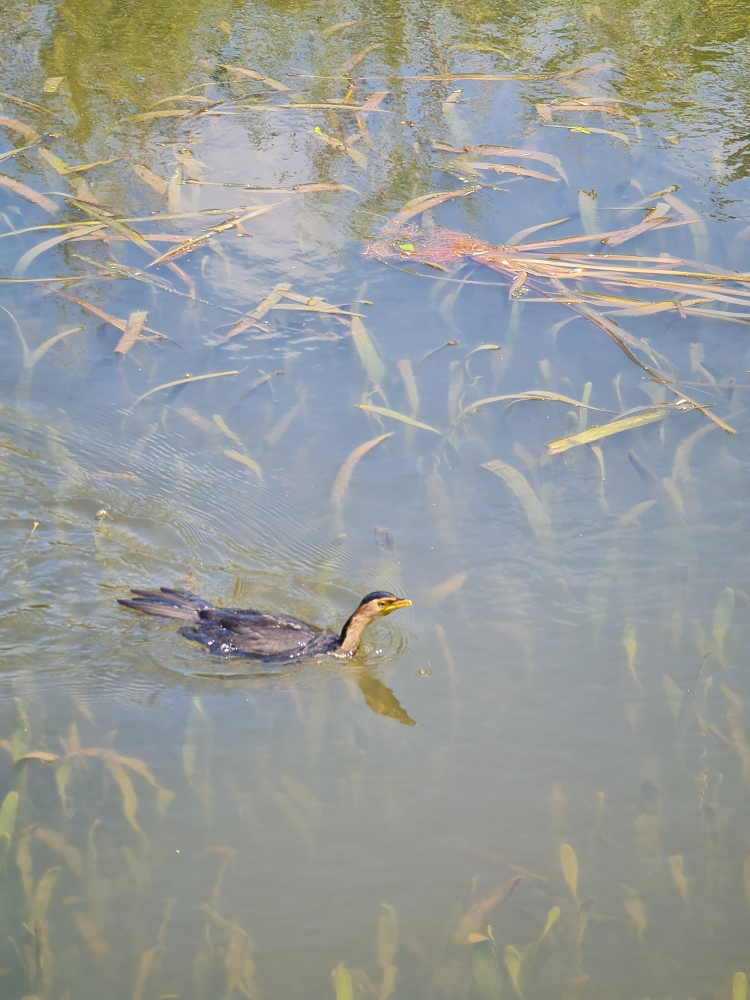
[
  {"x": 260, "y": 639},
  {"x": 232, "y": 618}
]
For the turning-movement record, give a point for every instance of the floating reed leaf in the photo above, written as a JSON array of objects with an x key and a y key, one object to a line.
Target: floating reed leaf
[
  {"x": 383, "y": 412},
  {"x": 182, "y": 381},
  {"x": 539, "y": 395},
  {"x": 601, "y": 431}
]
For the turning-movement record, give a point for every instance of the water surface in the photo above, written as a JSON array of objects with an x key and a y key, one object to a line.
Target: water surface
[{"x": 574, "y": 659}]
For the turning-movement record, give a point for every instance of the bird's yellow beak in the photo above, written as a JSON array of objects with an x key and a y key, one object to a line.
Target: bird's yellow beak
[{"x": 402, "y": 602}]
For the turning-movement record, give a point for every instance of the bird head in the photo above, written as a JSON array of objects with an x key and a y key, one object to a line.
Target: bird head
[
  {"x": 380, "y": 602},
  {"x": 373, "y": 606}
]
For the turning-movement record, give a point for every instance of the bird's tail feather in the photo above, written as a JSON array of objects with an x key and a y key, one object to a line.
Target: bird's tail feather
[{"x": 166, "y": 603}]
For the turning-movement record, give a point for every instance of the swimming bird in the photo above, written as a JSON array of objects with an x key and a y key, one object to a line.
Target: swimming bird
[{"x": 257, "y": 634}]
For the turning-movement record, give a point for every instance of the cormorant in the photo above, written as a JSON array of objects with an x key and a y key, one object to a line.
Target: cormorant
[{"x": 257, "y": 634}]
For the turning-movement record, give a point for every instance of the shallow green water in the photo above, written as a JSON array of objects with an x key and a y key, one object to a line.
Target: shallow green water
[{"x": 576, "y": 656}]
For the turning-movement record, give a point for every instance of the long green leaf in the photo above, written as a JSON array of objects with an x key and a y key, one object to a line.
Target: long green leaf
[{"x": 597, "y": 433}]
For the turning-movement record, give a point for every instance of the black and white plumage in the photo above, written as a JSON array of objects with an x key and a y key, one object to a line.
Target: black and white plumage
[{"x": 257, "y": 634}]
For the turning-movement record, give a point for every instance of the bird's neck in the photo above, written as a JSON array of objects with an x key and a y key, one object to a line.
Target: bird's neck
[{"x": 351, "y": 634}]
